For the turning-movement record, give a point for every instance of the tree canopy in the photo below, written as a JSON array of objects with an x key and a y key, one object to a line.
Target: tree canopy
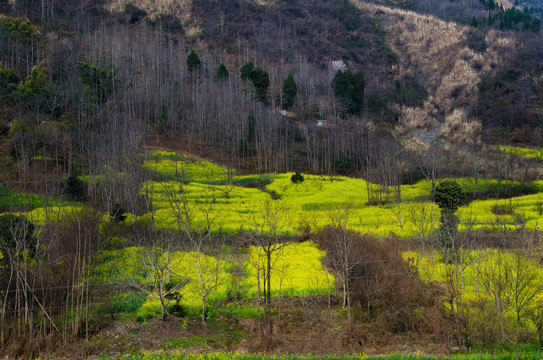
[
  {"x": 34, "y": 83},
  {"x": 246, "y": 71},
  {"x": 297, "y": 177},
  {"x": 449, "y": 195},
  {"x": 261, "y": 81},
  {"x": 8, "y": 80},
  {"x": 97, "y": 80},
  {"x": 222, "y": 72},
  {"x": 290, "y": 89},
  {"x": 193, "y": 62},
  {"x": 349, "y": 90},
  {"x": 73, "y": 187}
]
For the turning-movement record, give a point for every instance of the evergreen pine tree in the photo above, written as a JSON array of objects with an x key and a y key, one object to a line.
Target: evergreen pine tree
[
  {"x": 117, "y": 213},
  {"x": 8, "y": 80},
  {"x": 193, "y": 62},
  {"x": 349, "y": 90},
  {"x": 289, "y": 92},
  {"x": 74, "y": 187},
  {"x": 261, "y": 81},
  {"x": 222, "y": 72},
  {"x": 246, "y": 71},
  {"x": 448, "y": 196}
]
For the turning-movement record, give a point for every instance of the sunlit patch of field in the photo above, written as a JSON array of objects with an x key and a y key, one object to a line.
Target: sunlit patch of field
[
  {"x": 524, "y": 152},
  {"x": 311, "y": 204},
  {"x": 231, "y": 208},
  {"x": 214, "y": 197},
  {"x": 297, "y": 270},
  {"x": 523, "y": 211},
  {"x": 43, "y": 215},
  {"x": 226, "y": 207},
  {"x": 181, "y": 167}
]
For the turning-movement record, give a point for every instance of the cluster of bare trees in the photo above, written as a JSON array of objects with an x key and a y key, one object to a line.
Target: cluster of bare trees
[
  {"x": 374, "y": 279},
  {"x": 507, "y": 284},
  {"x": 49, "y": 286},
  {"x": 501, "y": 304},
  {"x": 504, "y": 282},
  {"x": 266, "y": 229},
  {"x": 46, "y": 277},
  {"x": 152, "y": 92}
]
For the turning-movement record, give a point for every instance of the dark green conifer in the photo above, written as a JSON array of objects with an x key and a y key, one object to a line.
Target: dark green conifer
[
  {"x": 193, "y": 62},
  {"x": 349, "y": 90},
  {"x": 246, "y": 71},
  {"x": 290, "y": 89},
  {"x": 261, "y": 81},
  {"x": 74, "y": 187},
  {"x": 222, "y": 72}
]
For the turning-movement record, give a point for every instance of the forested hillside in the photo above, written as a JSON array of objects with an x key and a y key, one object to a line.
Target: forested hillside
[
  {"x": 166, "y": 159},
  {"x": 125, "y": 65}
]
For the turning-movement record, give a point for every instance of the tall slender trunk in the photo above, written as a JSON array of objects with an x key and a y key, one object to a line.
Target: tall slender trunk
[
  {"x": 268, "y": 292},
  {"x": 258, "y": 292},
  {"x": 329, "y": 290},
  {"x": 344, "y": 292},
  {"x": 162, "y": 304},
  {"x": 348, "y": 304},
  {"x": 203, "y": 306},
  {"x": 4, "y": 305}
]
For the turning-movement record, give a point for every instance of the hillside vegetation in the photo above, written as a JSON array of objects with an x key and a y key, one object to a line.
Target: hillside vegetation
[{"x": 259, "y": 175}]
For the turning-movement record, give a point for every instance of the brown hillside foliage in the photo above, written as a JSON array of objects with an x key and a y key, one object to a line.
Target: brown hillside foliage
[
  {"x": 458, "y": 130},
  {"x": 157, "y": 10},
  {"x": 443, "y": 59}
]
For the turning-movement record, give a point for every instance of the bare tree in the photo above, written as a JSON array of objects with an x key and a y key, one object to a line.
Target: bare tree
[
  {"x": 208, "y": 269},
  {"x": 267, "y": 225},
  {"x": 535, "y": 315},
  {"x": 183, "y": 208},
  {"x": 424, "y": 216},
  {"x": 339, "y": 243},
  {"x": 523, "y": 287},
  {"x": 382, "y": 171},
  {"x": 160, "y": 259},
  {"x": 457, "y": 257},
  {"x": 475, "y": 168},
  {"x": 148, "y": 198},
  {"x": 17, "y": 237},
  {"x": 228, "y": 184},
  {"x": 463, "y": 248},
  {"x": 195, "y": 216},
  {"x": 400, "y": 214},
  {"x": 431, "y": 164},
  {"x": 494, "y": 275}
]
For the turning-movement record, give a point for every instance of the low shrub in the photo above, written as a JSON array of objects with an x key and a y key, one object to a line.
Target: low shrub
[{"x": 297, "y": 178}]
